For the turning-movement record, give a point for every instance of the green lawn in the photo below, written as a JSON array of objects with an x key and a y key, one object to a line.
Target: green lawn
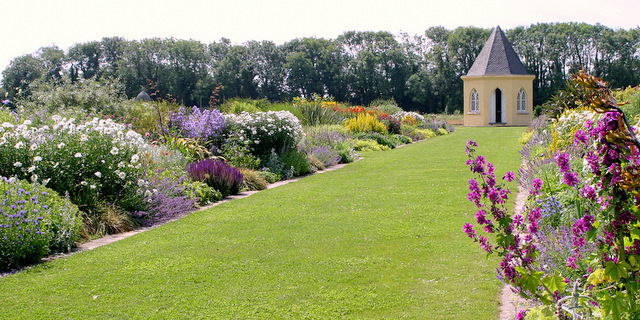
[{"x": 380, "y": 238}]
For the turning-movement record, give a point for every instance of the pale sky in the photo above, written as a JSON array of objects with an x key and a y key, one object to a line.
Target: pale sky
[{"x": 28, "y": 25}]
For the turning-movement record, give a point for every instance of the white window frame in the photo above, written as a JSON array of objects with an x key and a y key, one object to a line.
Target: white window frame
[
  {"x": 474, "y": 102},
  {"x": 522, "y": 101}
]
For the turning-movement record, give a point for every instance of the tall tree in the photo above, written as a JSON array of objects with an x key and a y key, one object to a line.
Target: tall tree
[
  {"x": 85, "y": 60},
  {"x": 21, "y": 72}
]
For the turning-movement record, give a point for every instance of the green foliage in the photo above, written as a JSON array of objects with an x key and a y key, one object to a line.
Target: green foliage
[
  {"x": 317, "y": 111},
  {"x": 416, "y": 133},
  {"x": 368, "y": 145},
  {"x": 102, "y": 218},
  {"x": 190, "y": 148},
  {"x": 238, "y": 106},
  {"x": 631, "y": 99},
  {"x": 203, "y": 192},
  {"x": 381, "y": 139},
  {"x": 364, "y": 122},
  {"x": 252, "y": 180},
  {"x": 7, "y": 115},
  {"x": 96, "y": 97},
  {"x": 238, "y": 154},
  {"x": 442, "y": 131},
  {"x": 388, "y": 106},
  {"x": 269, "y": 176},
  {"x": 402, "y": 138},
  {"x": 150, "y": 118},
  {"x": 295, "y": 164},
  {"x": 367, "y": 68}
]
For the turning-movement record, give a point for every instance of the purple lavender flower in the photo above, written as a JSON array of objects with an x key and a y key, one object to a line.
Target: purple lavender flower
[
  {"x": 200, "y": 124},
  {"x": 218, "y": 175}
]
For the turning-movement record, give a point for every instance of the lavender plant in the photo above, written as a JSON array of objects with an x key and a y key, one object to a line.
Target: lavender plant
[
  {"x": 218, "y": 175},
  {"x": 166, "y": 198},
  {"x": 326, "y": 155},
  {"x": 202, "y": 125},
  {"x": 336, "y": 138}
]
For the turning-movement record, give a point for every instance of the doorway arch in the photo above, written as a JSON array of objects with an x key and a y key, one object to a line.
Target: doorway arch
[{"x": 497, "y": 108}]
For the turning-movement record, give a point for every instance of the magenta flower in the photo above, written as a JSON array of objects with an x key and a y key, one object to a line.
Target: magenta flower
[
  {"x": 468, "y": 229},
  {"x": 570, "y": 179},
  {"x": 537, "y": 185},
  {"x": 589, "y": 193},
  {"x": 484, "y": 244},
  {"x": 470, "y": 145},
  {"x": 510, "y": 176},
  {"x": 562, "y": 159},
  {"x": 580, "y": 137},
  {"x": 481, "y": 217}
]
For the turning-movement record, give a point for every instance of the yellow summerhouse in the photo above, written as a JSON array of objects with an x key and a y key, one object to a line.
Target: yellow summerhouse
[{"x": 498, "y": 90}]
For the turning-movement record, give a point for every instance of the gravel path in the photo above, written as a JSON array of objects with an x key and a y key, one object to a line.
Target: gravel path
[{"x": 510, "y": 302}]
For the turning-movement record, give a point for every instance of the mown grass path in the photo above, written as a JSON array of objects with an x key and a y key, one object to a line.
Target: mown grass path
[{"x": 380, "y": 238}]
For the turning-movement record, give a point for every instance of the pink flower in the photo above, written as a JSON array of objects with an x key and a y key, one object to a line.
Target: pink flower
[
  {"x": 510, "y": 176},
  {"x": 537, "y": 185},
  {"x": 468, "y": 229}
]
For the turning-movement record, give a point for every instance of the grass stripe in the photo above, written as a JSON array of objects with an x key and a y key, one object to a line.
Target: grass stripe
[{"x": 380, "y": 238}]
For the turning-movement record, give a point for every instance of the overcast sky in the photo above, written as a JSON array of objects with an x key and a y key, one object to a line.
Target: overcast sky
[{"x": 28, "y": 25}]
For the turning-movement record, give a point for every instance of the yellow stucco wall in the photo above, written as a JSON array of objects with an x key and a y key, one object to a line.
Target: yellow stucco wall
[{"x": 510, "y": 86}]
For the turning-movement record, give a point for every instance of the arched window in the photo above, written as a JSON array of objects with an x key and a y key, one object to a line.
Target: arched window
[
  {"x": 474, "y": 102},
  {"x": 522, "y": 101}
]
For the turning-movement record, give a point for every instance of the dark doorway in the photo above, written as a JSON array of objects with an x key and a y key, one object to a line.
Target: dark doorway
[{"x": 498, "y": 106}]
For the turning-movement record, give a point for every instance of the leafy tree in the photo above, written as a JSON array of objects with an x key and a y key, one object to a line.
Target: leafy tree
[
  {"x": 53, "y": 60},
  {"x": 20, "y": 73},
  {"x": 314, "y": 67},
  {"x": 85, "y": 60}
]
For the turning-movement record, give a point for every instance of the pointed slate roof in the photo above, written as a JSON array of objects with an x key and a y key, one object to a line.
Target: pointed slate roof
[{"x": 497, "y": 58}]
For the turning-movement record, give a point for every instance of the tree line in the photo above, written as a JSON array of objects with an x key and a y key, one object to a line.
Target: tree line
[{"x": 420, "y": 72}]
